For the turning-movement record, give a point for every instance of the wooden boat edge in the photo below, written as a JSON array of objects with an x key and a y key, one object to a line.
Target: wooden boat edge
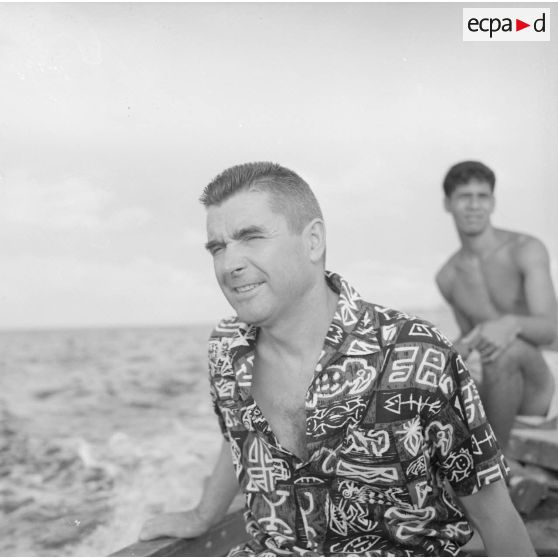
[{"x": 216, "y": 542}]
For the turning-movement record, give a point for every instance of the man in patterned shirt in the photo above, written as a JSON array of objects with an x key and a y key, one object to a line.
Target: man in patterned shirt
[{"x": 352, "y": 429}]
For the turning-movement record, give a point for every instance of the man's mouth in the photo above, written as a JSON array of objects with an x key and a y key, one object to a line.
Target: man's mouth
[{"x": 247, "y": 288}]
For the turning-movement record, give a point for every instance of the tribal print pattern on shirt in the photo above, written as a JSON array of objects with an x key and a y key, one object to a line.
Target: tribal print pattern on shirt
[{"x": 392, "y": 415}]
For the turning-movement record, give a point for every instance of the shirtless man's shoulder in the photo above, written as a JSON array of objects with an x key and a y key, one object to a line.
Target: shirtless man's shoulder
[
  {"x": 515, "y": 247},
  {"x": 447, "y": 273},
  {"x": 525, "y": 247},
  {"x": 517, "y": 252}
]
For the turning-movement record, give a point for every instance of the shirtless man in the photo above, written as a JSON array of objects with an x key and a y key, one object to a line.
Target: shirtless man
[
  {"x": 343, "y": 421},
  {"x": 500, "y": 289}
]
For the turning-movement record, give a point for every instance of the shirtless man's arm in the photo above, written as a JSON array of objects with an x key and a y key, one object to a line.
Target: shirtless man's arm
[
  {"x": 470, "y": 336},
  {"x": 218, "y": 493},
  {"x": 539, "y": 326}
]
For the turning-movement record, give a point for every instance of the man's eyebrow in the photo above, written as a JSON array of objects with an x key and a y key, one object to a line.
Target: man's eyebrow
[
  {"x": 209, "y": 246},
  {"x": 247, "y": 231},
  {"x": 237, "y": 235}
]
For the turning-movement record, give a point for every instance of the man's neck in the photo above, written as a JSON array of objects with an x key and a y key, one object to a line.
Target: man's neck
[
  {"x": 303, "y": 331},
  {"x": 480, "y": 244}
]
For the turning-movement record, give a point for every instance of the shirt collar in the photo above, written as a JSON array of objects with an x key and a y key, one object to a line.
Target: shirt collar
[
  {"x": 354, "y": 328},
  {"x": 353, "y": 332}
]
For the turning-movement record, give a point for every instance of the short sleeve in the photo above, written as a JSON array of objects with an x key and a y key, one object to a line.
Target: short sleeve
[{"x": 462, "y": 442}]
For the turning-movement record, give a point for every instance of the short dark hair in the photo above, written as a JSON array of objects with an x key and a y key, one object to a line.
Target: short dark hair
[
  {"x": 463, "y": 173},
  {"x": 290, "y": 195}
]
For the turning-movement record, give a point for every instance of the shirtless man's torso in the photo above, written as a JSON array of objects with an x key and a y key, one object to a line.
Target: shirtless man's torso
[{"x": 486, "y": 286}]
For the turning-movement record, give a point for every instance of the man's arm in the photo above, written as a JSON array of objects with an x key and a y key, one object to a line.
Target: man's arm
[
  {"x": 539, "y": 327},
  {"x": 469, "y": 337},
  {"x": 499, "y": 525},
  {"x": 468, "y": 334},
  {"x": 218, "y": 493}
]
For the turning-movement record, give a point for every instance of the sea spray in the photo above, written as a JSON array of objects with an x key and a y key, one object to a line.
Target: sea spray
[{"x": 101, "y": 429}]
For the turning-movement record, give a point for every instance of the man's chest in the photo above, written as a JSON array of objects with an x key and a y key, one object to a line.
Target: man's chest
[
  {"x": 304, "y": 414},
  {"x": 485, "y": 289},
  {"x": 280, "y": 395}
]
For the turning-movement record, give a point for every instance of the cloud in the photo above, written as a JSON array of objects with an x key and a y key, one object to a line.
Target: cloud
[
  {"x": 64, "y": 291},
  {"x": 72, "y": 203},
  {"x": 128, "y": 218},
  {"x": 57, "y": 44},
  {"x": 195, "y": 238}
]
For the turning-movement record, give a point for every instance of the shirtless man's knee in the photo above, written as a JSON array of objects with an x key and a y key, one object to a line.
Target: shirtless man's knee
[
  {"x": 526, "y": 360},
  {"x": 518, "y": 381}
]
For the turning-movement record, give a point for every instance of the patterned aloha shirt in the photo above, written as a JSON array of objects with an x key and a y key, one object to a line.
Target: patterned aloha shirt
[{"x": 391, "y": 415}]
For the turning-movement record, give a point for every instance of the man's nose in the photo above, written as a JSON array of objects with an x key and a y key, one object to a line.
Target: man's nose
[
  {"x": 234, "y": 260},
  {"x": 474, "y": 202}
]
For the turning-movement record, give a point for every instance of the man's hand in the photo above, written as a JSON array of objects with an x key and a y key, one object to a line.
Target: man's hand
[
  {"x": 496, "y": 336},
  {"x": 218, "y": 492},
  {"x": 466, "y": 344},
  {"x": 184, "y": 525}
]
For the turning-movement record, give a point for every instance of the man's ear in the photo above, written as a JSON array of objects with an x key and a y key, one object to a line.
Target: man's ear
[
  {"x": 446, "y": 203},
  {"x": 315, "y": 236}
]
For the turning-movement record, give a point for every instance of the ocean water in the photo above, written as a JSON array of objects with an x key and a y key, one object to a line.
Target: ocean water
[{"x": 100, "y": 430}]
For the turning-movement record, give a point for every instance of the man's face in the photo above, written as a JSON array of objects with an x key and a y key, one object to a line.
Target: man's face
[
  {"x": 471, "y": 205},
  {"x": 261, "y": 266}
]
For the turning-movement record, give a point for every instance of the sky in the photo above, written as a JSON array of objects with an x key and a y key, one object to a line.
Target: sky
[{"x": 113, "y": 118}]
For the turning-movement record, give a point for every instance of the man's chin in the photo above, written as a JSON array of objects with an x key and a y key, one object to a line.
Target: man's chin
[
  {"x": 251, "y": 312},
  {"x": 472, "y": 231},
  {"x": 249, "y": 316}
]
